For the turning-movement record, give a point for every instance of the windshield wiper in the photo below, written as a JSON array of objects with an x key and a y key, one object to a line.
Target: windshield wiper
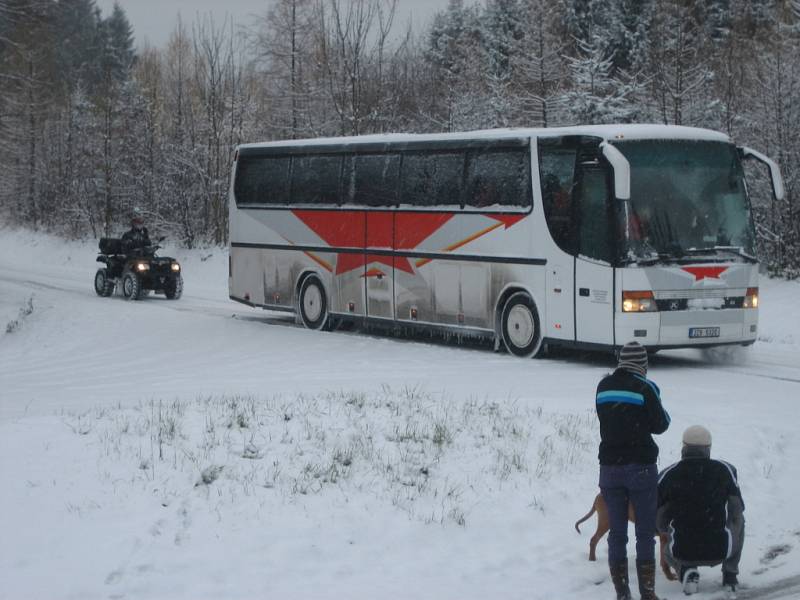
[
  {"x": 650, "y": 259},
  {"x": 737, "y": 250}
]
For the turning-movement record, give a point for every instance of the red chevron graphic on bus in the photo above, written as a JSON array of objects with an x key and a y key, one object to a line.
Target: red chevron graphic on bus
[{"x": 382, "y": 231}]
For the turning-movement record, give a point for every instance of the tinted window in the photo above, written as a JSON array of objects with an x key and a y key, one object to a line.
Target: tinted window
[
  {"x": 372, "y": 179},
  {"x": 262, "y": 180},
  {"x": 432, "y": 179},
  {"x": 498, "y": 178},
  {"x": 595, "y": 233},
  {"x": 557, "y": 174},
  {"x": 315, "y": 179}
]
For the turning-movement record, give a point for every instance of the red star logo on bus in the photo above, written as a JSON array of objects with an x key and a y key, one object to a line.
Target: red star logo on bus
[
  {"x": 385, "y": 231},
  {"x": 701, "y": 273}
]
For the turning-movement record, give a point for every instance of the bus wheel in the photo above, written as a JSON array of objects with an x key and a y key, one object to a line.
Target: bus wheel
[
  {"x": 519, "y": 324},
  {"x": 313, "y": 303}
]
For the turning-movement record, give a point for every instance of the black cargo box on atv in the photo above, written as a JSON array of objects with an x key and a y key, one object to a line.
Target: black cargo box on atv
[{"x": 111, "y": 246}]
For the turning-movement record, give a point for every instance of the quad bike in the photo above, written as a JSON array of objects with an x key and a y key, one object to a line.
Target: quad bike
[{"x": 138, "y": 270}]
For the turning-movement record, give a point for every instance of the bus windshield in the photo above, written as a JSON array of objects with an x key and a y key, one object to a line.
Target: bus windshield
[{"x": 687, "y": 198}]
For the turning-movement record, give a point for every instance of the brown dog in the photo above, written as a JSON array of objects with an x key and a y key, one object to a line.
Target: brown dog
[{"x": 599, "y": 507}]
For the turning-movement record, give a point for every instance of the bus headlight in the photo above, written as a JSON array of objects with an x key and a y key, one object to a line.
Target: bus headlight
[
  {"x": 639, "y": 301},
  {"x": 142, "y": 266},
  {"x": 751, "y": 298},
  {"x": 175, "y": 267}
]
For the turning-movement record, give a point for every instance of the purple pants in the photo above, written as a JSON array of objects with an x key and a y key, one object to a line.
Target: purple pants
[{"x": 638, "y": 484}]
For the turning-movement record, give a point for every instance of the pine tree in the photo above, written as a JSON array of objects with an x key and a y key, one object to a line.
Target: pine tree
[
  {"x": 118, "y": 51},
  {"x": 454, "y": 42},
  {"x": 596, "y": 96},
  {"x": 540, "y": 65},
  {"x": 81, "y": 42},
  {"x": 680, "y": 70}
]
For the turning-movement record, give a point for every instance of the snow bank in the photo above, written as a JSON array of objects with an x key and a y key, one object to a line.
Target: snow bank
[{"x": 203, "y": 449}]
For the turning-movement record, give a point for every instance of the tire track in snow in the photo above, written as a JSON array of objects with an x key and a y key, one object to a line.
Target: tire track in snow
[{"x": 216, "y": 308}]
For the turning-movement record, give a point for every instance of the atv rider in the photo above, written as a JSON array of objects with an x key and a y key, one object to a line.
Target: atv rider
[{"x": 137, "y": 237}]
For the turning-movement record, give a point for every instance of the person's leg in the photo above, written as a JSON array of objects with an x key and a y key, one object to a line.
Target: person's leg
[
  {"x": 617, "y": 502},
  {"x": 730, "y": 566},
  {"x": 643, "y": 491},
  {"x": 616, "y": 499}
]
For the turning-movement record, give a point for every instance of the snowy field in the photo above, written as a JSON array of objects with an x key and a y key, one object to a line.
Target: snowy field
[{"x": 203, "y": 449}]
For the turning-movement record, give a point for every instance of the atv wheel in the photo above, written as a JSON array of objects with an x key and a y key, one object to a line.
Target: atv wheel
[
  {"x": 131, "y": 286},
  {"x": 102, "y": 284},
  {"x": 173, "y": 289}
]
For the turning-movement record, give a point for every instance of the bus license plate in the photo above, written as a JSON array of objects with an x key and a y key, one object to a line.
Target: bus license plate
[{"x": 703, "y": 332}]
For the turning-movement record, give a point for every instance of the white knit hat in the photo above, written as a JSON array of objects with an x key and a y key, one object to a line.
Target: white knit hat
[{"x": 697, "y": 435}]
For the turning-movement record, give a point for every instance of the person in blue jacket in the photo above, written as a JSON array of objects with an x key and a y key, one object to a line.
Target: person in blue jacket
[{"x": 629, "y": 410}]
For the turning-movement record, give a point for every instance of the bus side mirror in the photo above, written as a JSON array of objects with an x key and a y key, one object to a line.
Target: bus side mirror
[
  {"x": 774, "y": 170},
  {"x": 622, "y": 171}
]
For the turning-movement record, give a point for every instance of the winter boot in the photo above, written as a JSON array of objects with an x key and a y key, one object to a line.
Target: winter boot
[
  {"x": 690, "y": 579},
  {"x": 646, "y": 571},
  {"x": 619, "y": 576},
  {"x": 729, "y": 584}
]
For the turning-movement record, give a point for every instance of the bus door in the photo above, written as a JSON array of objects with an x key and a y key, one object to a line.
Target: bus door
[
  {"x": 594, "y": 273},
  {"x": 557, "y": 162},
  {"x": 379, "y": 265}
]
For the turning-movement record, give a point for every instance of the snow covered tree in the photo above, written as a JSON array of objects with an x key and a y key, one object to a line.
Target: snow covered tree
[
  {"x": 679, "y": 68},
  {"x": 454, "y": 43},
  {"x": 596, "y": 96},
  {"x": 773, "y": 126},
  {"x": 540, "y": 64},
  {"x": 283, "y": 42},
  {"x": 118, "y": 53}
]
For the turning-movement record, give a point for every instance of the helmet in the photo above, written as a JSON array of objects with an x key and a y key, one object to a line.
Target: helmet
[{"x": 137, "y": 222}]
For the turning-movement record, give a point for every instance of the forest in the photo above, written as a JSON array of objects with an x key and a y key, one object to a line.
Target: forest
[{"x": 93, "y": 127}]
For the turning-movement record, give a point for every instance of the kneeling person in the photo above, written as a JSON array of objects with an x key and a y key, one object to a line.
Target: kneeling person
[{"x": 700, "y": 508}]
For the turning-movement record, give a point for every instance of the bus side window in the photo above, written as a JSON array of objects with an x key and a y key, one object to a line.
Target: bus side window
[
  {"x": 374, "y": 179},
  {"x": 262, "y": 180},
  {"x": 557, "y": 174},
  {"x": 315, "y": 179},
  {"x": 432, "y": 179},
  {"x": 498, "y": 179},
  {"x": 595, "y": 233}
]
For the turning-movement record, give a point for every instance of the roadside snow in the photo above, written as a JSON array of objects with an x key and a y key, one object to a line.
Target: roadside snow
[{"x": 202, "y": 449}]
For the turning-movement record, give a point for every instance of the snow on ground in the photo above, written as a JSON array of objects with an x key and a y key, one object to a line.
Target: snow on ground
[{"x": 203, "y": 449}]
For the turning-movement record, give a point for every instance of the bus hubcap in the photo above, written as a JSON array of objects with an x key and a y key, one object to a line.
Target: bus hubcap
[
  {"x": 520, "y": 326},
  {"x": 312, "y": 303}
]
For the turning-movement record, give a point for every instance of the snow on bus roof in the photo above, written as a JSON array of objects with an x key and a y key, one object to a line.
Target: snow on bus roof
[{"x": 607, "y": 132}]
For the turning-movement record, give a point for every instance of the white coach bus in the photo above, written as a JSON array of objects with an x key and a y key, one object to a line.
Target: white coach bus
[{"x": 584, "y": 236}]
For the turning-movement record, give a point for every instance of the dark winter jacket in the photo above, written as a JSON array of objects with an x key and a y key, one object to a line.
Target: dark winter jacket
[
  {"x": 135, "y": 238},
  {"x": 698, "y": 500},
  {"x": 629, "y": 408}
]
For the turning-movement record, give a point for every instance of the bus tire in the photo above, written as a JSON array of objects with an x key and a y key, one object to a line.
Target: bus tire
[
  {"x": 519, "y": 326},
  {"x": 313, "y": 303}
]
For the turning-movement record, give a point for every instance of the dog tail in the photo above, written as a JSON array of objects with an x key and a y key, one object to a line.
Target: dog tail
[{"x": 589, "y": 514}]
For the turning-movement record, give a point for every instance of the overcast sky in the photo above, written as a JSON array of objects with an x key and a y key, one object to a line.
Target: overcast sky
[{"x": 153, "y": 20}]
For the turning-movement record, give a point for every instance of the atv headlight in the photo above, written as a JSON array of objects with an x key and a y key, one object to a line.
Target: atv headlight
[
  {"x": 175, "y": 267},
  {"x": 142, "y": 266}
]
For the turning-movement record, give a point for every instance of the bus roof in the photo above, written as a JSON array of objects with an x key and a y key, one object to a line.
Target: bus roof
[{"x": 607, "y": 132}]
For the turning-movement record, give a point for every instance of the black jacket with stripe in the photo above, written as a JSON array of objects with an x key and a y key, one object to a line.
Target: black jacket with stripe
[
  {"x": 698, "y": 500},
  {"x": 629, "y": 408}
]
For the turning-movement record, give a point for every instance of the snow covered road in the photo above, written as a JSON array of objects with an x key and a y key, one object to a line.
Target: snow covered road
[{"x": 79, "y": 361}]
